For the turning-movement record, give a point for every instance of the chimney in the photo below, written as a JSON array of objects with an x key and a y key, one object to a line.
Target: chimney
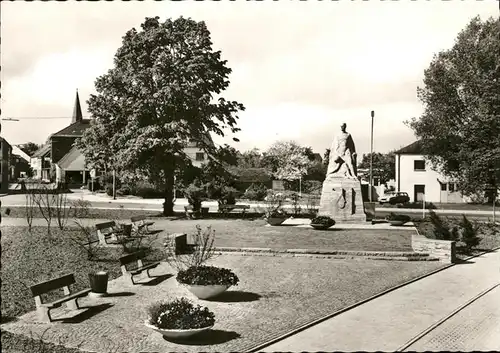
[{"x": 77, "y": 111}]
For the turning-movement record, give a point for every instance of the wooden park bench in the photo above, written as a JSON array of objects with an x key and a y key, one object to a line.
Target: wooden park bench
[
  {"x": 69, "y": 298},
  {"x": 136, "y": 258},
  {"x": 108, "y": 231},
  {"x": 228, "y": 208},
  {"x": 140, "y": 222}
]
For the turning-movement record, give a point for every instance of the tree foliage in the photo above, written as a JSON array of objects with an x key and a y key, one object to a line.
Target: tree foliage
[
  {"x": 384, "y": 165},
  {"x": 163, "y": 91},
  {"x": 287, "y": 160},
  {"x": 29, "y": 148},
  {"x": 460, "y": 126}
]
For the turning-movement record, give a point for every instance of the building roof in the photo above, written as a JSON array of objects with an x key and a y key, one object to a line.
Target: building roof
[
  {"x": 5, "y": 141},
  {"x": 19, "y": 152},
  {"x": 77, "y": 110},
  {"x": 74, "y": 130},
  {"x": 413, "y": 148},
  {"x": 74, "y": 160},
  {"x": 42, "y": 151}
]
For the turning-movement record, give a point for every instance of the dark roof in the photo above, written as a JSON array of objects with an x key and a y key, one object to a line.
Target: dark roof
[
  {"x": 414, "y": 148},
  {"x": 72, "y": 161},
  {"x": 5, "y": 141},
  {"x": 75, "y": 129},
  {"x": 42, "y": 151},
  {"x": 77, "y": 111}
]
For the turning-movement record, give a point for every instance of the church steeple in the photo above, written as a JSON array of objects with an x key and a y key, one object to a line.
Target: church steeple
[{"x": 77, "y": 111}]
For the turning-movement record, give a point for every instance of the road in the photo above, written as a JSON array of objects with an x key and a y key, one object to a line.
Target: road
[{"x": 102, "y": 201}]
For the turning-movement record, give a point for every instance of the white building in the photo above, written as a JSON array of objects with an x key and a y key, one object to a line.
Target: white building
[{"x": 415, "y": 176}]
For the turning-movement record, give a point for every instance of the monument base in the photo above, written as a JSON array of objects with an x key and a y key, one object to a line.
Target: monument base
[{"x": 341, "y": 200}]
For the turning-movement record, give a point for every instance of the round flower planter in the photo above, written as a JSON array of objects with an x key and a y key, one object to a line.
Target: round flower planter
[
  {"x": 276, "y": 221},
  {"x": 396, "y": 223},
  {"x": 320, "y": 226},
  {"x": 169, "y": 333},
  {"x": 209, "y": 291}
]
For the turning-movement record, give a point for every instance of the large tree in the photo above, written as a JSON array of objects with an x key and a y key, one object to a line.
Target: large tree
[
  {"x": 384, "y": 165},
  {"x": 287, "y": 160},
  {"x": 460, "y": 126},
  {"x": 163, "y": 91}
]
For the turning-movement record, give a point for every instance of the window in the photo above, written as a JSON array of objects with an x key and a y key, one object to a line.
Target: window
[
  {"x": 451, "y": 187},
  {"x": 419, "y": 165},
  {"x": 200, "y": 156},
  {"x": 443, "y": 186},
  {"x": 375, "y": 182}
]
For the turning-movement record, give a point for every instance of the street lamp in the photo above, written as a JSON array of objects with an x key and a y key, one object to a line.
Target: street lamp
[{"x": 371, "y": 158}]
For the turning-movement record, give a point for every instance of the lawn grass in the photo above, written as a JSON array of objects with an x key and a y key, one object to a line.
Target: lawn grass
[
  {"x": 32, "y": 257},
  {"x": 255, "y": 233},
  {"x": 116, "y": 213}
]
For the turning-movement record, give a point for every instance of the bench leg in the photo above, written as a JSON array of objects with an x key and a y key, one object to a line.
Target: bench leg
[
  {"x": 132, "y": 279},
  {"x": 147, "y": 272},
  {"x": 72, "y": 304},
  {"x": 102, "y": 238},
  {"x": 43, "y": 314}
]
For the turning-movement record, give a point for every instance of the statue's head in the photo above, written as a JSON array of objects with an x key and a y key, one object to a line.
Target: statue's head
[{"x": 343, "y": 127}]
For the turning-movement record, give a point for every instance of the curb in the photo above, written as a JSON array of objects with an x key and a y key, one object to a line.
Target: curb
[
  {"x": 342, "y": 254},
  {"x": 329, "y": 316}
]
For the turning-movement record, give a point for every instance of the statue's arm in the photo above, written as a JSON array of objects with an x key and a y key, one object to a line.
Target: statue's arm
[{"x": 351, "y": 144}]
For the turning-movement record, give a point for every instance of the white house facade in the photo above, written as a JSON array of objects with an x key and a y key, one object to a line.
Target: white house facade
[{"x": 415, "y": 176}]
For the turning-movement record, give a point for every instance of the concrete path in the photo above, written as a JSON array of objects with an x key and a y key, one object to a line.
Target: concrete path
[{"x": 390, "y": 321}]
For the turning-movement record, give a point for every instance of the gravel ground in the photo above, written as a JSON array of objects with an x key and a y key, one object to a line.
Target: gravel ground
[{"x": 275, "y": 295}]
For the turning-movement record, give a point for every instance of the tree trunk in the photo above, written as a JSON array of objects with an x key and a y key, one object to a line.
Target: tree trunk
[{"x": 168, "y": 205}]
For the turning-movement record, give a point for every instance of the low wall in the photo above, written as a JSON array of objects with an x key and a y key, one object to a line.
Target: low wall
[{"x": 444, "y": 250}]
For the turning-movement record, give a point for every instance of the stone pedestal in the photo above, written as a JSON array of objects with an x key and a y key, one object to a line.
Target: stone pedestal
[{"x": 341, "y": 200}]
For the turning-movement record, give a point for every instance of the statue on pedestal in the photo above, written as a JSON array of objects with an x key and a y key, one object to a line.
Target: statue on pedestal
[{"x": 341, "y": 193}]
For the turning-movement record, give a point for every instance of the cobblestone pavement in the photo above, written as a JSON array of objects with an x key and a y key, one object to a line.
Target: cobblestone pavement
[
  {"x": 474, "y": 328},
  {"x": 388, "y": 322},
  {"x": 275, "y": 295}
]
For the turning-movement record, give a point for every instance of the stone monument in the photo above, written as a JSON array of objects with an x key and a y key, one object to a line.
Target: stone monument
[{"x": 341, "y": 196}]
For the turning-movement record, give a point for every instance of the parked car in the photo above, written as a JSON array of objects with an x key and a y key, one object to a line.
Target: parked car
[{"x": 394, "y": 198}]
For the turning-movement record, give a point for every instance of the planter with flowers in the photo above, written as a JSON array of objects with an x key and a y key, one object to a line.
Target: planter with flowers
[
  {"x": 207, "y": 281},
  {"x": 201, "y": 280},
  {"x": 322, "y": 222},
  {"x": 179, "y": 318},
  {"x": 275, "y": 214}
]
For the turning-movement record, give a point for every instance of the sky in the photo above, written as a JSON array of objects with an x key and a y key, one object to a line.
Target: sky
[{"x": 300, "y": 68}]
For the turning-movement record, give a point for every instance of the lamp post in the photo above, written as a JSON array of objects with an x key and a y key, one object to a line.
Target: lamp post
[{"x": 371, "y": 158}]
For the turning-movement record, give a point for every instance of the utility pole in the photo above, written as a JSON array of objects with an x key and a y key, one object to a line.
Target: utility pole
[
  {"x": 114, "y": 184},
  {"x": 371, "y": 159}
]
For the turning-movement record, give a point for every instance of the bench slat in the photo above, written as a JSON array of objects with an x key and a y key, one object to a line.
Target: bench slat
[
  {"x": 143, "y": 268},
  {"x": 124, "y": 260},
  {"x": 57, "y": 303},
  {"x": 47, "y": 286},
  {"x": 105, "y": 225}
]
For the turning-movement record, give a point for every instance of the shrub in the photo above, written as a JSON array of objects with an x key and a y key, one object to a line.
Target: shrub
[
  {"x": 125, "y": 190},
  {"x": 109, "y": 189},
  {"x": 207, "y": 275},
  {"x": 274, "y": 204},
  {"x": 180, "y": 314},
  {"x": 440, "y": 228},
  {"x": 80, "y": 208},
  {"x": 255, "y": 192},
  {"x": 195, "y": 196},
  {"x": 202, "y": 250},
  {"x": 469, "y": 233},
  {"x": 323, "y": 220},
  {"x": 398, "y": 217}
]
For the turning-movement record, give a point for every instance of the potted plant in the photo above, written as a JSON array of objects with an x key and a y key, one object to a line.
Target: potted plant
[
  {"x": 98, "y": 283},
  {"x": 322, "y": 222},
  {"x": 274, "y": 214},
  {"x": 201, "y": 280},
  {"x": 207, "y": 281},
  {"x": 179, "y": 318},
  {"x": 397, "y": 219}
]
